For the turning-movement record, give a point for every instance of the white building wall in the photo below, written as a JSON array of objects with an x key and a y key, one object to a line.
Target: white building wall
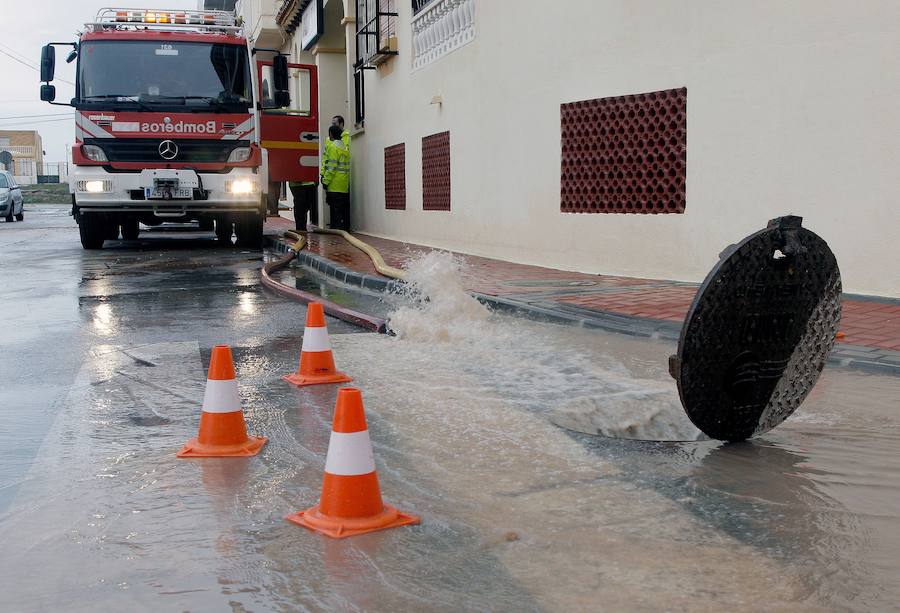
[{"x": 792, "y": 108}]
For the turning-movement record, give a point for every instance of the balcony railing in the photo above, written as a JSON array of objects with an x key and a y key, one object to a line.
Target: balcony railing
[
  {"x": 27, "y": 150},
  {"x": 439, "y": 27},
  {"x": 419, "y": 5}
]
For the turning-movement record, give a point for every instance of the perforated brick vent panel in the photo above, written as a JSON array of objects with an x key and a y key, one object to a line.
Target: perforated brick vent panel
[
  {"x": 395, "y": 177},
  {"x": 626, "y": 154},
  {"x": 436, "y": 172}
]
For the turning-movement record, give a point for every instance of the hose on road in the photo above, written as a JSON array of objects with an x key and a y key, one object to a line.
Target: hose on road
[
  {"x": 369, "y": 250},
  {"x": 376, "y": 324}
]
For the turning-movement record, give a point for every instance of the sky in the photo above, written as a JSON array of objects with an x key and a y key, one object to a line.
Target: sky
[{"x": 25, "y": 26}]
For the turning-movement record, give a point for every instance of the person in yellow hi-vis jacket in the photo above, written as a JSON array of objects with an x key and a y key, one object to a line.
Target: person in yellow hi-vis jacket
[{"x": 336, "y": 179}]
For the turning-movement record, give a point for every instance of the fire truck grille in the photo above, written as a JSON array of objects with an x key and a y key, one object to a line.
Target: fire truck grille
[{"x": 148, "y": 149}]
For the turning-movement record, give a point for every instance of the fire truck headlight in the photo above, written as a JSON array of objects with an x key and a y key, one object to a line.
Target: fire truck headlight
[
  {"x": 93, "y": 152},
  {"x": 239, "y": 154},
  {"x": 242, "y": 186}
]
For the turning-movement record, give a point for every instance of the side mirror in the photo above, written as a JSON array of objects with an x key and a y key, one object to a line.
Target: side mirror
[
  {"x": 280, "y": 72},
  {"x": 48, "y": 63},
  {"x": 48, "y": 92},
  {"x": 282, "y": 95},
  {"x": 282, "y": 100},
  {"x": 72, "y": 55}
]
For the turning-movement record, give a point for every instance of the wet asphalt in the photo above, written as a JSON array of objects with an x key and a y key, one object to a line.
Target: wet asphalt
[
  {"x": 102, "y": 364},
  {"x": 59, "y": 301}
]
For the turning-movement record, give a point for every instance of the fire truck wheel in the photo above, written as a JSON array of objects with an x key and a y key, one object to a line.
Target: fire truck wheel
[
  {"x": 92, "y": 230},
  {"x": 130, "y": 230},
  {"x": 223, "y": 231},
  {"x": 111, "y": 230},
  {"x": 249, "y": 231}
]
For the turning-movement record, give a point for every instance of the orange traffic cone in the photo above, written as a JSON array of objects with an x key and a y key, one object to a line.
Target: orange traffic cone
[
  {"x": 351, "y": 498},
  {"x": 316, "y": 359},
  {"x": 222, "y": 429}
]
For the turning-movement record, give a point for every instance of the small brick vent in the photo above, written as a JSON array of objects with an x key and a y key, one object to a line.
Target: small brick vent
[
  {"x": 395, "y": 177},
  {"x": 626, "y": 154},
  {"x": 436, "y": 172}
]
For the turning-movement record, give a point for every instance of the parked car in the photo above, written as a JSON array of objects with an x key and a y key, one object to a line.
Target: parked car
[{"x": 11, "y": 205}]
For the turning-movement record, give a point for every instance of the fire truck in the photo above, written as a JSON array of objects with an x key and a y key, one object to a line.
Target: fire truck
[{"x": 180, "y": 119}]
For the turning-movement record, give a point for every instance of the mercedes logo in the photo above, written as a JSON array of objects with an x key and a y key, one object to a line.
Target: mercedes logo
[{"x": 168, "y": 149}]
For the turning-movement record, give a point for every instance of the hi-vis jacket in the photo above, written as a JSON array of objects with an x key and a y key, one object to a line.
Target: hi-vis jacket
[{"x": 336, "y": 167}]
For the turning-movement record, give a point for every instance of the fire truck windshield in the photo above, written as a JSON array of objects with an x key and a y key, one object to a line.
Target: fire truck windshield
[{"x": 187, "y": 76}]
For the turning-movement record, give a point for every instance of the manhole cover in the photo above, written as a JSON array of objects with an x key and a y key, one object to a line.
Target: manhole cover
[{"x": 758, "y": 332}]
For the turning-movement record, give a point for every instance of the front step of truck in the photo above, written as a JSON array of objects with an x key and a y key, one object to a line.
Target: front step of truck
[{"x": 96, "y": 228}]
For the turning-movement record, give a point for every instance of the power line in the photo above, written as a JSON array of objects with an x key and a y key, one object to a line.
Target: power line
[
  {"x": 16, "y": 53},
  {"x": 29, "y": 65},
  {"x": 29, "y": 116},
  {"x": 31, "y": 123}
]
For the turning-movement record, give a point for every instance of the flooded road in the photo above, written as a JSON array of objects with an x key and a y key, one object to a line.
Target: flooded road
[{"x": 477, "y": 420}]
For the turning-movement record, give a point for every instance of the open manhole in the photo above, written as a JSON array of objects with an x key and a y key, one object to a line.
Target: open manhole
[{"x": 753, "y": 344}]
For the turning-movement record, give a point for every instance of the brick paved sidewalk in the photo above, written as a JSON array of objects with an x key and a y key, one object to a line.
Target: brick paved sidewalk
[{"x": 867, "y": 324}]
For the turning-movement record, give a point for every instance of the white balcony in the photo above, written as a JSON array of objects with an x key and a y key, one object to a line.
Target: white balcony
[
  {"x": 441, "y": 27},
  {"x": 19, "y": 150},
  {"x": 259, "y": 20}
]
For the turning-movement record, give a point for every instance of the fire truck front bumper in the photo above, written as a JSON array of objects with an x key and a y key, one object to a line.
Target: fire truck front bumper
[{"x": 167, "y": 191}]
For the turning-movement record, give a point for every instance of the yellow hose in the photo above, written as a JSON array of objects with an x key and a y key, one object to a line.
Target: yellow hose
[
  {"x": 369, "y": 250},
  {"x": 300, "y": 240}
]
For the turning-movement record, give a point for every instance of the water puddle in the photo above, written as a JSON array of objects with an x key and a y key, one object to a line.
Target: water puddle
[{"x": 464, "y": 408}]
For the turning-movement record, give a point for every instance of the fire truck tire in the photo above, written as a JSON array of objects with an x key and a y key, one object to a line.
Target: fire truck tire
[
  {"x": 131, "y": 229},
  {"x": 223, "y": 230},
  {"x": 249, "y": 230},
  {"x": 111, "y": 230},
  {"x": 92, "y": 230}
]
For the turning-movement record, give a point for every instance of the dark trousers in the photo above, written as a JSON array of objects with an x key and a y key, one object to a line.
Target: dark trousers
[
  {"x": 305, "y": 201},
  {"x": 339, "y": 204},
  {"x": 272, "y": 198}
]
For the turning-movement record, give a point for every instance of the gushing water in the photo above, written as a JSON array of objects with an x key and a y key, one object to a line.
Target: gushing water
[
  {"x": 547, "y": 369},
  {"x": 441, "y": 309}
]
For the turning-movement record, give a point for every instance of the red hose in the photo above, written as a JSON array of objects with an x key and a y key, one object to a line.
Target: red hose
[{"x": 356, "y": 318}]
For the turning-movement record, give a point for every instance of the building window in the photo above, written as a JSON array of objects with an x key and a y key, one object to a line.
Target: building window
[
  {"x": 626, "y": 154},
  {"x": 376, "y": 41},
  {"x": 436, "y": 172},
  {"x": 26, "y": 168},
  {"x": 395, "y": 177},
  {"x": 4, "y": 142},
  {"x": 418, "y": 5}
]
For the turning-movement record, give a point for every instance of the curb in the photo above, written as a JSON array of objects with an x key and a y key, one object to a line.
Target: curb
[{"x": 856, "y": 357}]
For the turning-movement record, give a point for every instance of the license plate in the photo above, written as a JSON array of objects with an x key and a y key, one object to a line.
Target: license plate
[{"x": 178, "y": 193}]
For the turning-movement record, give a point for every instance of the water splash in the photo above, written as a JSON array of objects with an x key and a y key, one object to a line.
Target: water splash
[
  {"x": 549, "y": 369},
  {"x": 440, "y": 308}
]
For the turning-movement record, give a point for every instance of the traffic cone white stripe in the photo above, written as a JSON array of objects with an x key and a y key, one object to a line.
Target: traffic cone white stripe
[
  {"x": 350, "y": 454},
  {"x": 315, "y": 339},
  {"x": 221, "y": 396}
]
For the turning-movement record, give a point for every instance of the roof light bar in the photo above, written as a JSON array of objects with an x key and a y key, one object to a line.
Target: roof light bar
[{"x": 119, "y": 17}]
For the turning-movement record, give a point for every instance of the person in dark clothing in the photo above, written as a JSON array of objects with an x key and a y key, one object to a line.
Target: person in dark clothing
[{"x": 305, "y": 202}]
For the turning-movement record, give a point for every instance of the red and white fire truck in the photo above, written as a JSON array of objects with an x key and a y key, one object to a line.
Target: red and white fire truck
[{"x": 178, "y": 118}]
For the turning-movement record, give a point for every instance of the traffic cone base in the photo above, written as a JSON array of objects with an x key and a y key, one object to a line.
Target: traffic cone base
[
  {"x": 195, "y": 449},
  {"x": 313, "y": 519},
  {"x": 302, "y": 380}
]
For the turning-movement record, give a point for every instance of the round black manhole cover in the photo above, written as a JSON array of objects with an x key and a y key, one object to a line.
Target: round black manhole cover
[{"x": 758, "y": 332}]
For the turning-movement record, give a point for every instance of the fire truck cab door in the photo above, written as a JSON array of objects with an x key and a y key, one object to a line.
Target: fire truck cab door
[{"x": 290, "y": 134}]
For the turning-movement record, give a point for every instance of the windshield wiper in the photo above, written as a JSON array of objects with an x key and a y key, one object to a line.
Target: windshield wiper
[
  {"x": 223, "y": 104},
  {"x": 127, "y": 98}
]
